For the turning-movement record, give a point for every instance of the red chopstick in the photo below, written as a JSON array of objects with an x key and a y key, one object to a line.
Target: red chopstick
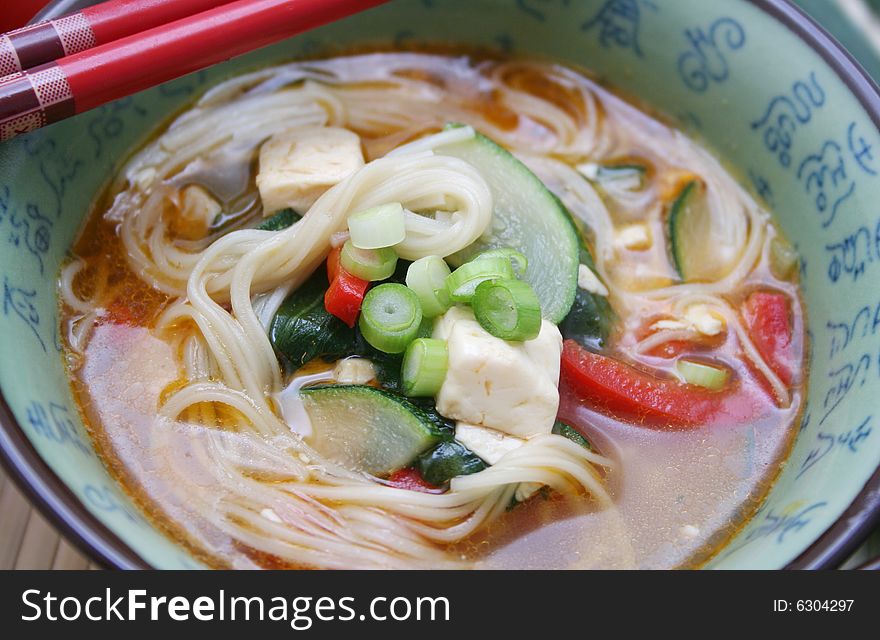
[
  {"x": 82, "y": 81},
  {"x": 43, "y": 42}
]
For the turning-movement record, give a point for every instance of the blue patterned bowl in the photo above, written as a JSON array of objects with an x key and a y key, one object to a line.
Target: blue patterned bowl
[{"x": 769, "y": 91}]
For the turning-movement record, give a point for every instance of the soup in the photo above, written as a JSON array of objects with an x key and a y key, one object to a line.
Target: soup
[{"x": 434, "y": 311}]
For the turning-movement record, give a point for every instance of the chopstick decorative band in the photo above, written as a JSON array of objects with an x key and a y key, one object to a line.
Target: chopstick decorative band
[
  {"x": 34, "y": 99},
  {"x": 81, "y": 81},
  {"x": 35, "y": 44},
  {"x": 43, "y": 42}
]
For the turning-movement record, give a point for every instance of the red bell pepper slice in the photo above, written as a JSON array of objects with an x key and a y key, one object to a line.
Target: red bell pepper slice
[
  {"x": 768, "y": 319},
  {"x": 411, "y": 479},
  {"x": 615, "y": 387},
  {"x": 346, "y": 292},
  {"x": 333, "y": 263}
]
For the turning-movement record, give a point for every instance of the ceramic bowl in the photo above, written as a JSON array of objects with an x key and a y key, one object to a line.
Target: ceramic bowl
[{"x": 767, "y": 89}]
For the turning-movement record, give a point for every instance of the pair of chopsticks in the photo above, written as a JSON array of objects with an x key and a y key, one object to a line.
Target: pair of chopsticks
[{"x": 55, "y": 69}]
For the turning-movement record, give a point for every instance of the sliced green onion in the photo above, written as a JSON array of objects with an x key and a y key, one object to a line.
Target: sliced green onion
[
  {"x": 508, "y": 309},
  {"x": 378, "y": 227},
  {"x": 424, "y": 367},
  {"x": 390, "y": 317},
  {"x": 462, "y": 282},
  {"x": 702, "y": 375},
  {"x": 426, "y": 329},
  {"x": 427, "y": 277},
  {"x": 368, "y": 264},
  {"x": 519, "y": 261},
  {"x": 783, "y": 258}
]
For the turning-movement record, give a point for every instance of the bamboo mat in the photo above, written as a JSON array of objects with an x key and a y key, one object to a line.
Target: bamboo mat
[{"x": 27, "y": 541}]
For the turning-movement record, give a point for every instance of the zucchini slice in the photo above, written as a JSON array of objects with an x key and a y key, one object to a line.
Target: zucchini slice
[
  {"x": 703, "y": 245},
  {"x": 526, "y": 217},
  {"x": 367, "y": 429}
]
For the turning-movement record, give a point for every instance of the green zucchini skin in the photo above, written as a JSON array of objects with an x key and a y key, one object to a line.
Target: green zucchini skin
[
  {"x": 676, "y": 219},
  {"x": 526, "y": 217},
  {"x": 567, "y": 431},
  {"x": 591, "y": 318},
  {"x": 280, "y": 220},
  {"x": 693, "y": 241},
  {"x": 367, "y": 429},
  {"x": 448, "y": 460}
]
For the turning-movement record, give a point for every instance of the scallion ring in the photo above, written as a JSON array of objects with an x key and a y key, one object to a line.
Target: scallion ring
[
  {"x": 368, "y": 264},
  {"x": 390, "y": 317},
  {"x": 517, "y": 258},
  {"x": 378, "y": 227},
  {"x": 702, "y": 375},
  {"x": 508, "y": 309},
  {"x": 424, "y": 367},
  {"x": 462, "y": 282},
  {"x": 427, "y": 277}
]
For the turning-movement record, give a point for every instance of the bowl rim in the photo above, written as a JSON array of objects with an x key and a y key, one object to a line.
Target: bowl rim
[{"x": 55, "y": 500}]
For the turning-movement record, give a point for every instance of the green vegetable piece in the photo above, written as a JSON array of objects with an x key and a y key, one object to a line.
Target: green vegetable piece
[
  {"x": 303, "y": 330},
  {"x": 280, "y": 220},
  {"x": 526, "y": 217},
  {"x": 424, "y": 367},
  {"x": 567, "y": 431},
  {"x": 377, "y": 227},
  {"x": 591, "y": 318},
  {"x": 448, "y": 460},
  {"x": 696, "y": 237},
  {"x": 368, "y": 264},
  {"x": 508, "y": 309},
  {"x": 427, "y": 277},
  {"x": 391, "y": 316},
  {"x": 367, "y": 429},
  {"x": 702, "y": 375},
  {"x": 462, "y": 282}
]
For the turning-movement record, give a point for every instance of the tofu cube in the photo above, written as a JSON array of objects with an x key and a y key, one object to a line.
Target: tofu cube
[
  {"x": 507, "y": 386},
  {"x": 298, "y": 166},
  {"x": 489, "y": 444}
]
